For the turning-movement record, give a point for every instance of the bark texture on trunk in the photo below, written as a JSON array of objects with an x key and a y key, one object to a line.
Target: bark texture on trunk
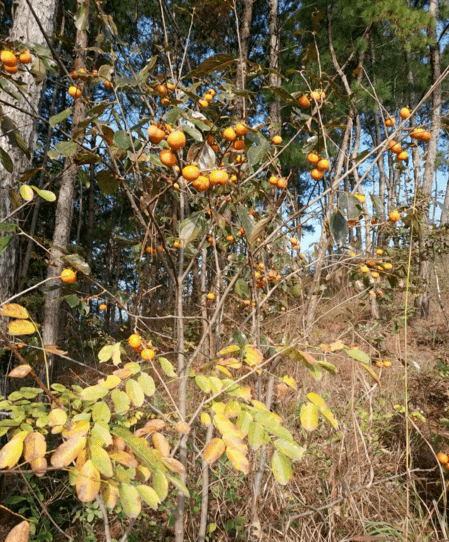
[
  {"x": 22, "y": 122},
  {"x": 64, "y": 209},
  {"x": 275, "y": 51},
  {"x": 242, "y": 68}
]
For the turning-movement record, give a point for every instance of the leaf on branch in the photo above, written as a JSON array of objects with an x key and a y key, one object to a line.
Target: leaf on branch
[
  {"x": 20, "y": 533},
  {"x": 21, "y": 371},
  {"x": 281, "y": 467},
  {"x": 12, "y": 310},
  {"x": 338, "y": 227},
  {"x": 21, "y": 327}
]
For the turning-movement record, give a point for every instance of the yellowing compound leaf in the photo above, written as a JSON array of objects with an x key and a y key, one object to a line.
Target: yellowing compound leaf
[
  {"x": 88, "y": 482},
  {"x": 358, "y": 355},
  {"x": 290, "y": 381},
  {"x": 327, "y": 414},
  {"x": 231, "y": 441},
  {"x": 290, "y": 449},
  {"x": 160, "y": 484},
  {"x": 21, "y": 327},
  {"x": 80, "y": 427},
  {"x": 20, "y": 533},
  {"x": 253, "y": 356},
  {"x": 110, "y": 495},
  {"x": 68, "y": 451},
  {"x": 316, "y": 399},
  {"x": 124, "y": 458},
  {"x": 214, "y": 450},
  {"x": 21, "y": 371},
  {"x": 121, "y": 401},
  {"x": 101, "y": 460},
  {"x": 309, "y": 416},
  {"x": 161, "y": 444},
  {"x": 39, "y": 466},
  {"x": 11, "y": 452},
  {"x": 57, "y": 418},
  {"x": 229, "y": 350},
  {"x": 135, "y": 392},
  {"x": 205, "y": 419},
  {"x": 150, "y": 427},
  {"x": 93, "y": 393},
  {"x": 147, "y": 384},
  {"x": 224, "y": 425},
  {"x": 281, "y": 467},
  {"x": 238, "y": 460},
  {"x": 130, "y": 500},
  {"x": 167, "y": 367},
  {"x": 203, "y": 383},
  {"x": 111, "y": 382},
  {"x": 174, "y": 465},
  {"x": 12, "y": 310}
]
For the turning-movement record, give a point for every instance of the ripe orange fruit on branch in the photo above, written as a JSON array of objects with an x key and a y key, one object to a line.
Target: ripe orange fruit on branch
[
  {"x": 390, "y": 122},
  {"x": 396, "y": 148},
  {"x": 218, "y": 176},
  {"x": 8, "y": 58},
  {"x": 388, "y": 266},
  {"x": 68, "y": 276},
  {"x": 273, "y": 180},
  {"x": 176, "y": 244},
  {"x": 208, "y": 97},
  {"x": 323, "y": 164},
  {"x": 210, "y": 296},
  {"x": 304, "y": 101},
  {"x": 203, "y": 103},
  {"x": 238, "y": 145},
  {"x": 277, "y": 140},
  {"x": 103, "y": 307},
  {"x": 107, "y": 84},
  {"x": 426, "y": 136},
  {"x": 190, "y": 173},
  {"x": 360, "y": 197},
  {"x": 317, "y": 174},
  {"x": 11, "y": 69},
  {"x": 282, "y": 183},
  {"x": 315, "y": 95},
  {"x": 167, "y": 157},
  {"x": 241, "y": 129},
  {"x": 394, "y": 216},
  {"x": 230, "y": 238},
  {"x": 364, "y": 269},
  {"x": 162, "y": 89},
  {"x": 442, "y": 458},
  {"x": 201, "y": 184},
  {"x": 229, "y": 134},
  {"x": 147, "y": 354},
  {"x": 25, "y": 57},
  {"x": 417, "y": 133},
  {"x": 402, "y": 155},
  {"x": 404, "y": 113},
  {"x": 387, "y": 363},
  {"x": 134, "y": 341},
  {"x": 313, "y": 158},
  {"x": 155, "y": 134},
  {"x": 75, "y": 92}
]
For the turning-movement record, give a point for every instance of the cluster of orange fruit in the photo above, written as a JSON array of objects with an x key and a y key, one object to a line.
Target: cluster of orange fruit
[
  {"x": 81, "y": 73},
  {"x": 141, "y": 347},
  {"x": 385, "y": 363},
  {"x": 207, "y": 98},
  {"x": 270, "y": 276},
  {"x": 373, "y": 266},
  {"x": 416, "y": 133},
  {"x": 316, "y": 95},
  {"x": 321, "y": 165},
  {"x": 163, "y": 90},
  {"x": 11, "y": 62},
  {"x": 279, "y": 182}
]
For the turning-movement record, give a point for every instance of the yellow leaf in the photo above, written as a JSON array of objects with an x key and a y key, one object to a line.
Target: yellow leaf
[
  {"x": 79, "y": 428},
  {"x": 174, "y": 465},
  {"x": 232, "y": 409},
  {"x": 231, "y": 441},
  {"x": 88, "y": 482},
  {"x": 214, "y": 450},
  {"x": 21, "y": 371},
  {"x": 161, "y": 444},
  {"x": 229, "y": 350},
  {"x": 238, "y": 460},
  {"x": 21, "y": 327},
  {"x": 252, "y": 355},
  {"x": 309, "y": 416},
  {"x": 68, "y": 451},
  {"x": 218, "y": 408},
  {"x": 34, "y": 446},
  {"x": 11, "y": 452},
  {"x": 53, "y": 349},
  {"x": 369, "y": 370},
  {"x": 57, "y": 419},
  {"x": 12, "y": 310},
  {"x": 26, "y": 192},
  {"x": 222, "y": 423},
  {"x": 290, "y": 381},
  {"x": 244, "y": 393},
  {"x": 205, "y": 419},
  {"x": 110, "y": 382},
  {"x": 125, "y": 459},
  {"x": 110, "y": 495},
  {"x": 316, "y": 399},
  {"x": 20, "y": 533},
  {"x": 223, "y": 370}
]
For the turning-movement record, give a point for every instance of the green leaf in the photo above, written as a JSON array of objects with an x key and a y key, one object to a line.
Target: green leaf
[
  {"x": 351, "y": 205},
  {"x": 258, "y": 228},
  {"x": 101, "y": 412},
  {"x": 147, "y": 384},
  {"x": 160, "y": 484},
  {"x": 47, "y": 195},
  {"x": 100, "y": 434},
  {"x": 138, "y": 446},
  {"x": 60, "y": 117},
  {"x": 93, "y": 393},
  {"x": 191, "y": 228},
  {"x": 5, "y": 159},
  {"x": 73, "y": 300},
  {"x": 309, "y": 416},
  {"x": 256, "y": 435},
  {"x": 135, "y": 392},
  {"x": 107, "y": 182},
  {"x": 122, "y": 140},
  {"x": 66, "y": 148},
  {"x": 272, "y": 425},
  {"x": 5, "y": 241},
  {"x": 338, "y": 227},
  {"x": 371, "y": 372},
  {"x": 377, "y": 205},
  {"x": 149, "y": 496},
  {"x": 203, "y": 383},
  {"x": 105, "y": 71},
  {"x": 193, "y": 132},
  {"x": 178, "y": 484},
  {"x": 328, "y": 367},
  {"x": 290, "y": 449},
  {"x": 241, "y": 288},
  {"x": 246, "y": 220},
  {"x": 121, "y": 401},
  {"x": 21, "y": 142},
  {"x": 214, "y": 63},
  {"x": 167, "y": 367},
  {"x": 130, "y": 500},
  {"x": 101, "y": 460},
  {"x": 358, "y": 355},
  {"x": 281, "y": 467},
  {"x": 142, "y": 76},
  {"x": 8, "y": 227}
]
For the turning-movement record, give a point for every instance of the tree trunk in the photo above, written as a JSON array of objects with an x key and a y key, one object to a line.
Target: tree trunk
[
  {"x": 275, "y": 80},
  {"x": 244, "y": 35},
  {"x": 22, "y": 122},
  {"x": 423, "y": 300},
  {"x": 64, "y": 209}
]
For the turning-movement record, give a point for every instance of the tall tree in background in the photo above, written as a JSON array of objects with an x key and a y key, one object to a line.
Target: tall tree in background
[{"x": 18, "y": 118}]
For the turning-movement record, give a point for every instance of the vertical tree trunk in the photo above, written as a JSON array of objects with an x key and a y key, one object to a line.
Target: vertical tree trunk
[
  {"x": 423, "y": 300},
  {"x": 64, "y": 209},
  {"x": 25, "y": 29},
  {"x": 275, "y": 50},
  {"x": 244, "y": 35}
]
